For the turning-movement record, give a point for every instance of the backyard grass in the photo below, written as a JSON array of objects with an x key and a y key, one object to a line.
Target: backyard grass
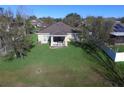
[
  {"x": 118, "y": 48},
  {"x": 43, "y": 66}
]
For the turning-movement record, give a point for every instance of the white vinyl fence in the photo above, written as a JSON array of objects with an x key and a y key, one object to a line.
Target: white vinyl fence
[{"x": 119, "y": 56}]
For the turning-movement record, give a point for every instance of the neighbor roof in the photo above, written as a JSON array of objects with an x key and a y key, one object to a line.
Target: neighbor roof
[
  {"x": 117, "y": 33},
  {"x": 118, "y": 27},
  {"x": 58, "y": 28}
]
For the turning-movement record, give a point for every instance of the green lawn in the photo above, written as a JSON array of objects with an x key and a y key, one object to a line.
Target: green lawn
[
  {"x": 43, "y": 66},
  {"x": 118, "y": 48}
]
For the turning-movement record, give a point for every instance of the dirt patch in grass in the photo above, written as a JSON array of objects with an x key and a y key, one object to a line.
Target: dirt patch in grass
[{"x": 45, "y": 75}]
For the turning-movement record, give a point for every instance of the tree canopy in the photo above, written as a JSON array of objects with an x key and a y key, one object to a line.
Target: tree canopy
[
  {"x": 122, "y": 19},
  {"x": 73, "y": 19},
  {"x": 14, "y": 38},
  {"x": 99, "y": 27},
  {"x": 48, "y": 20},
  {"x": 33, "y": 17}
]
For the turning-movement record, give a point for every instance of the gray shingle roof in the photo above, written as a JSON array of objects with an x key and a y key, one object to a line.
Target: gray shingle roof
[{"x": 58, "y": 28}]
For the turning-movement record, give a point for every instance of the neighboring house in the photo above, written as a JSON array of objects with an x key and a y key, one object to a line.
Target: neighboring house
[
  {"x": 36, "y": 23},
  {"x": 117, "y": 36},
  {"x": 58, "y": 34},
  {"x": 39, "y": 23}
]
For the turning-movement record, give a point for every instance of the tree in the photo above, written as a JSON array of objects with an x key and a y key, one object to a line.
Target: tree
[
  {"x": 58, "y": 19},
  {"x": 6, "y": 18},
  {"x": 1, "y": 10},
  {"x": 29, "y": 27},
  {"x": 122, "y": 19},
  {"x": 21, "y": 42},
  {"x": 48, "y": 20},
  {"x": 99, "y": 27},
  {"x": 33, "y": 17},
  {"x": 92, "y": 45},
  {"x": 108, "y": 69},
  {"x": 13, "y": 34},
  {"x": 73, "y": 19}
]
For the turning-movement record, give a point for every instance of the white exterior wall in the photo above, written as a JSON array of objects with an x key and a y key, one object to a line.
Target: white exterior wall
[
  {"x": 68, "y": 38},
  {"x": 71, "y": 36},
  {"x": 43, "y": 38}
]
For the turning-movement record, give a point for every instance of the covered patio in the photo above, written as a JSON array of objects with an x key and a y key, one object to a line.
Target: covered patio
[{"x": 58, "y": 40}]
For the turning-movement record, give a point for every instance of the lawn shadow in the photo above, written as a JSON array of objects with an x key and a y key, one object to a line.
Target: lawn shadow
[
  {"x": 108, "y": 69},
  {"x": 75, "y": 43}
]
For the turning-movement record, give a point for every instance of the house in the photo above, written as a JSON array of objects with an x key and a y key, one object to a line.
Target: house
[
  {"x": 117, "y": 36},
  {"x": 58, "y": 34},
  {"x": 34, "y": 22},
  {"x": 39, "y": 23}
]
